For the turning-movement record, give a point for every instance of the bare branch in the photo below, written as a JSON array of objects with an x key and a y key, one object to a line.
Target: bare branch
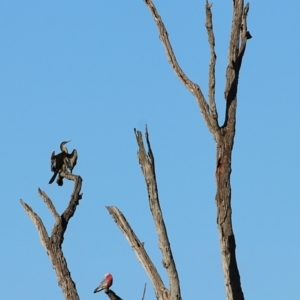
[
  {"x": 144, "y": 292},
  {"x": 38, "y": 224},
  {"x": 148, "y": 168},
  {"x": 191, "y": 86},
  {"x": 49, "y": 203},
  {"x": 142, "y": 255},
  {"x": 245, "y": 35},
  {"x": 212, "y": 65},
  {"x": 61, "y": 226},
  {"x": 236, "y": 50},
  {"x": 75, "y": 197}
]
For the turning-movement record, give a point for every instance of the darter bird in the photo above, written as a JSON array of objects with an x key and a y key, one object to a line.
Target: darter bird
[
  {"x": 61, "y": 162},
  {"x": 105, "y": 284}
]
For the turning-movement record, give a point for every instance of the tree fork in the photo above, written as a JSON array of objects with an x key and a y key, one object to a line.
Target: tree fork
[{"x": 54, "y": 242}]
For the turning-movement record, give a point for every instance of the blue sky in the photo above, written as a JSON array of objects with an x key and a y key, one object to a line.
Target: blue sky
[{"x": 91, "y": 71}]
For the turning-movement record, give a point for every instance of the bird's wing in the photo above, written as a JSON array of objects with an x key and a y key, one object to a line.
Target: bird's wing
[
  {"x": 109, "y": 282},
  {"x": 53, "y": 161},
  {"x": 53, "y": 178},
  {"x": 72, "y": 160},
  {"x": 101, "y": 286}
]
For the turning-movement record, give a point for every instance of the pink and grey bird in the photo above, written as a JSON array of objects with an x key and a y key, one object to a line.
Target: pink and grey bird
[{"x": 105, "y": 284}]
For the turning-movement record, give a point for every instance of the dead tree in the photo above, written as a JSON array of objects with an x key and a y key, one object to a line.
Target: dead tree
[{"x": 224, "y": 138}]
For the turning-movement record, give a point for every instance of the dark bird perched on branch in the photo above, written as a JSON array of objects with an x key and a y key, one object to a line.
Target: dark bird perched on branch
[{"x": 61, "y": 162}]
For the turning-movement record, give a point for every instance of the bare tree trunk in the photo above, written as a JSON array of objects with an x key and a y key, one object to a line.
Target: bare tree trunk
[{"x": 224, "y": 211}]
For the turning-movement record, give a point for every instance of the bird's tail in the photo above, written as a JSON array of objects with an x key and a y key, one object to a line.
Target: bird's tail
[
  {"x": 53, "y": 178},
  {"x": 59, "y": 180},
  {"x": 98, "y": 289}
]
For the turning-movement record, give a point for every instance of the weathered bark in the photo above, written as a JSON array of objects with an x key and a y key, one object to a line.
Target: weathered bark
[
  {"x": 53, "y": 243},
  {"x": 223, "y": 135},
  {"x": 224, "y": 221}
]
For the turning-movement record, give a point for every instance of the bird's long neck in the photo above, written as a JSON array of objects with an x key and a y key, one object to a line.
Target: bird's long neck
[{"x": 63, "y": 148}]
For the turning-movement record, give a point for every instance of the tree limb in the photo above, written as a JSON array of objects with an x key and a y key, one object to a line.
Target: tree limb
[
  {"x": 148, "y": 168},
  {"x": 236, "y": 50},
  {"x": 141, "y": 253},
  {"x": 245, "y": 35},
  {"x": 212, "y": 65},
  {"x": 38, "y": 224}
]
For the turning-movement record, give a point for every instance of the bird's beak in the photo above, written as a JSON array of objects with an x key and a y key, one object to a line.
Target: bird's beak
[{"x": 68, "y": 141}]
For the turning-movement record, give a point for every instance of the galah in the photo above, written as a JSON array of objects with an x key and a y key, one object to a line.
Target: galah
[{"x": 105, "y": 284}]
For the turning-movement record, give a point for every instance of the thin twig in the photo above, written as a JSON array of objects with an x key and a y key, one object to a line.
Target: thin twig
[
  {"x": 212, "y": 65},
  {"x": 144, "y": 292}
]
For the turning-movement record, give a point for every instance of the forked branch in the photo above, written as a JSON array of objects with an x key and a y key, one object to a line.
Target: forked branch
[
  {"x": 147, "y": 163},
  {"x": 194, "y": 88},
  {"x": 53, "y": 243}
]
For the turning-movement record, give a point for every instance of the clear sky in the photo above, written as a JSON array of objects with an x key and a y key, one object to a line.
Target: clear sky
[{"x": 90, "y": 72}]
